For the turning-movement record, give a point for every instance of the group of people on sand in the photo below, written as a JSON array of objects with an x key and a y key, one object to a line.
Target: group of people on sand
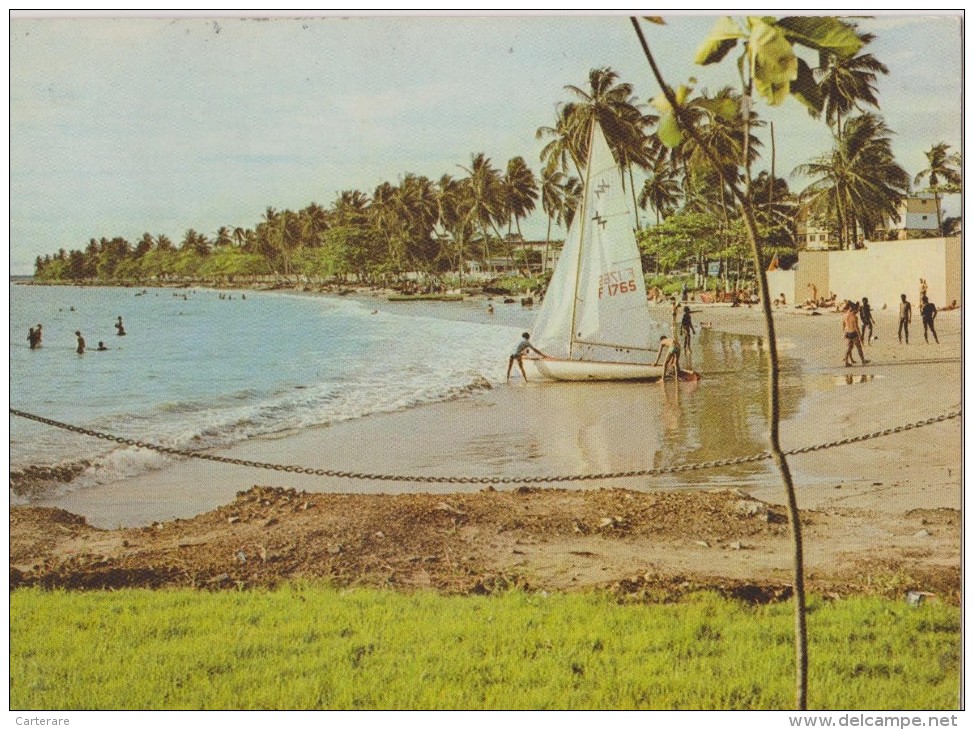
[
  {"x": 817, "y": 302},
  {"x": 35, "y": 334},
  {"x": 857, "y": 323}
]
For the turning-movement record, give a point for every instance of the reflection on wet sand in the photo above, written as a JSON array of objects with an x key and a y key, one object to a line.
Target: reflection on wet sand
[{"x": 595, "y": 428}]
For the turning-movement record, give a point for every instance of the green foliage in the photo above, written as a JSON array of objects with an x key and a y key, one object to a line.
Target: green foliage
[
  {"x": 769, "y": 55},
  {"x": 513, "y": 284},
  {"x": 305, "y": 647}
]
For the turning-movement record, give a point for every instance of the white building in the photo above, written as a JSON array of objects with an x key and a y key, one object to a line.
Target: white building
[
  {"x": 881, "y": 271},
  {"x": 917, "y": 213}
]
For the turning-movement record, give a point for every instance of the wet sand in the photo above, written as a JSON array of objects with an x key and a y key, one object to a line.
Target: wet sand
[{"x": 534, "y": 431}]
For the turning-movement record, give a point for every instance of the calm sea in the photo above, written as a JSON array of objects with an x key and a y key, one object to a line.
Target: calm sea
[{"x": 199, "y": 368}]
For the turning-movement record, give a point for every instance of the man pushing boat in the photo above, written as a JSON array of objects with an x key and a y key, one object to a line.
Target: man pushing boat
[{"x": 519, "y": 352}]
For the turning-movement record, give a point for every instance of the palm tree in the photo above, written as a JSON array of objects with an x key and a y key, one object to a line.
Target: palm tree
[
  {"x": 239, "y": 236},
  {"x": 552, "y": 202},
  {"x": 858, "y": 183},
  {"x": 314, "y": 220},
  {"x": 573, "y": 198},
  {"x": 520, "y": 190},
  {"x": 847, "y": 82},
  {"x": 942, "y": 175},
  {"x": 661, "y": 189},
  {"x": 561, "y": 148},
  {"x": 613, "y": 105},
  {"x": 384, "y": 218},
  {"x": 416, "y": 206},
  {"x": 454, "y": 205},
  {"x": 223, "y": 237},
  {"x": 350, "y": 208},
  {"x": 486, "y": 196}
]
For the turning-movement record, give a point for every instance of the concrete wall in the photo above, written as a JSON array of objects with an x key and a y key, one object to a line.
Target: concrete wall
[
  {"x": 955, "y": 282},
  {"x": 813, "y": 269},
  {"x": 783, "y": 282},
  {"x": 885, "y": 269}
]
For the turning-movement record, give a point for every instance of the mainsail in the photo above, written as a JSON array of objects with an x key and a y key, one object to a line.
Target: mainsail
[{"x": 595, "y": 307}]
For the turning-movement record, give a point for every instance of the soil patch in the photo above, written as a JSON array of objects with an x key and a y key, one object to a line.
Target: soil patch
[{"x": 640, "y": 546}]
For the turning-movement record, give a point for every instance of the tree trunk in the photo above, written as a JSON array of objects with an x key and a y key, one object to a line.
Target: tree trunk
[{"x": 801, "y": 627}]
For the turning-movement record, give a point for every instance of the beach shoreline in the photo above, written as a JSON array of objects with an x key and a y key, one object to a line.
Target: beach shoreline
[{"x": 899, "y": 494}]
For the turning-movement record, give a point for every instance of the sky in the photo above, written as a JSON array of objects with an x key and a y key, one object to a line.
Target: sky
[{"x": 125, "y": 125}]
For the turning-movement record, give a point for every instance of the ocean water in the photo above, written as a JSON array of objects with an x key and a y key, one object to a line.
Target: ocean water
[
  {"x": 203, "y": 369},
  {"x": 199, "y": 368}
]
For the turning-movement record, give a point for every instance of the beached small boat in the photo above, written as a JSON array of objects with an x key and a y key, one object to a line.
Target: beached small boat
[
  {"x": 594, "y": 322},
  {"x": 425, "y": 297}
]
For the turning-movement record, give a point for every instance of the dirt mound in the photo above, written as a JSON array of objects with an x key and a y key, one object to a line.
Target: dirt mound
[{"x": 645, "y": 546}]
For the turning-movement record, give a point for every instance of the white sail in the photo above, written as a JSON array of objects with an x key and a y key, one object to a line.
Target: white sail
[{"x": 595, "y": 307}]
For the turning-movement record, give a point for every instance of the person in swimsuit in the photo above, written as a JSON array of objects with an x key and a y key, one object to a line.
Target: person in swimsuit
[
  {"x": 866, "y": 317},
  {"x": 906, "y": 314},
  {"x": 928, "y": 313},
  {"x": 850, "y": 327},
  {"x": 518, "y": 355},
  {"x": 671, "y": 347}
]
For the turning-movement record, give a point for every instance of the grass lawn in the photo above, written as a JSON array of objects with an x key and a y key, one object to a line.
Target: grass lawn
[{"x": 315, "y": 647}]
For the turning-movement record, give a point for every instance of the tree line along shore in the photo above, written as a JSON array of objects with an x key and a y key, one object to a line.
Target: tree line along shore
[{"x": 444, "y": 230}]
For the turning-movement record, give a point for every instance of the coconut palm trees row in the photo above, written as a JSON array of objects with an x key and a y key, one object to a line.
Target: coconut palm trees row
[
  {"x": 414, "y": 225},
  {"x": 434, "y": 226},
  {"x": 857, "y": 186}
]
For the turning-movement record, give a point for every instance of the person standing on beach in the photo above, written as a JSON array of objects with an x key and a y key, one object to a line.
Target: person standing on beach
[
  {"x": 81, "y": 343},
  {"x": 906, "y": 315},
  {"x": 866, "y": 317},
  {"x": 671, "y": 347},
  {"x": 36, "y": 342},
  {"x": 119, "y": 327},
  {"x": 32, "y": 338},
  {"x": 686, "y": 328},
  {"x": 518, "y": 355},
  {"x": 928, "y": 313},
  {"x": 850, "y": 327}
]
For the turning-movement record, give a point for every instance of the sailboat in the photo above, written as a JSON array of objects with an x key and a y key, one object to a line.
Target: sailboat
[{"x": 594, "y": 321}]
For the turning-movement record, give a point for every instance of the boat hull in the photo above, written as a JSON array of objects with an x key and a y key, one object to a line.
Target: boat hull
[{"x": 583, "y": 370}]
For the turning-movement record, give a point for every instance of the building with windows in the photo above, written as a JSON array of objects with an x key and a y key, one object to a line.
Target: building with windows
[
  {"x": 815, "y": 235},
  {"x": 917, "y": 213}
]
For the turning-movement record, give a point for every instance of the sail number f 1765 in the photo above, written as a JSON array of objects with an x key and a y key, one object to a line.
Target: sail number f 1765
[{"x": 613, "y": 283}]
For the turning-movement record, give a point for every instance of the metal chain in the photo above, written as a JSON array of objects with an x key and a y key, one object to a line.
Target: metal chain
[{"x": 291, "y": 469}]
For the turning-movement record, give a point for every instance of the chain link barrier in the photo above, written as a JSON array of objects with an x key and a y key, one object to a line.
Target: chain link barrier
[{"x": 292, "y": 469}]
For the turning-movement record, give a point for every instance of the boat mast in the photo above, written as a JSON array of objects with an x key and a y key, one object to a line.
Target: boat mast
[{"x": 581, "y": 236}]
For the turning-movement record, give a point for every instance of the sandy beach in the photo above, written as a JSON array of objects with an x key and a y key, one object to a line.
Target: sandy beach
[{"x": 883, "y": 506}]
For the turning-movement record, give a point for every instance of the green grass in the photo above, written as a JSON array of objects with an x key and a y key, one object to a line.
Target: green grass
[{"x": 310, "y": 647}]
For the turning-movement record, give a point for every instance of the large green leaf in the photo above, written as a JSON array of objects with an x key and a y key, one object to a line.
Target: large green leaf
[
  {"x": 822, "y": 33},
  {"x": 668, "y": 130},
  {"x": 806, "y": 90},
  {"x": 723, "y": 108},
  {"x": 773, "y": 62},
  {"x": 721, "y": 40}
]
